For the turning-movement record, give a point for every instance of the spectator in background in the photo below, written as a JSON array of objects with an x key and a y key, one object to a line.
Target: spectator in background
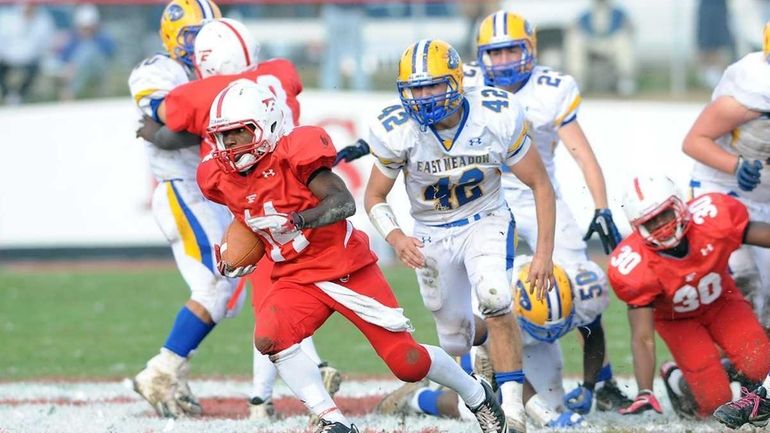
[
  {"x": 25, "y": 30},
  {"x": 716, "y": 46},
  {"x": 344, "y": 46},
  {"x": 604, "y": 32},
  {"x": 86, "y": 56}
]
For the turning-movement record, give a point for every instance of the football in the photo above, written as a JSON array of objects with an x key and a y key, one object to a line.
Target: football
[{"x": 241, "y": 246}]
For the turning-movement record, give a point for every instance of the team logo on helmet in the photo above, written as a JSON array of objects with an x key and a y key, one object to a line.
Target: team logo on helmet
[
  {"x": 528, "y": 28},
  {"x": 174, "y": 12},
  {"x": 453, "y": 60}
]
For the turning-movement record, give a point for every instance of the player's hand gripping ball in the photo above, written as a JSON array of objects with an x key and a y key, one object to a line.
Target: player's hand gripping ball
[{"x": 240, "y": 251}]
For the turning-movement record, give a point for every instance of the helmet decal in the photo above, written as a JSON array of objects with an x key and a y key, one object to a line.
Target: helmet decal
[{"x": 174, "y": 12}]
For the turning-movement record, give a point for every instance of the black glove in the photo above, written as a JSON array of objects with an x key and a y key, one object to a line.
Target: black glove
[
  {"x": 352, "y": 152},
  {"x": 605, "y": 227},
  {"x": 748, "y": 174}
]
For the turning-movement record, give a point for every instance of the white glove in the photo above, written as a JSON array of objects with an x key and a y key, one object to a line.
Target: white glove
[{"x": 278, "y": 223}]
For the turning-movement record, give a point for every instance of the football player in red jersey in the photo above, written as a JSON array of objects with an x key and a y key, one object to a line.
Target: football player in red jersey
[
  {"x": 225, "y": 50},
  {"x": 280, "y": 184},
  {"x": 672, "y": 272}
]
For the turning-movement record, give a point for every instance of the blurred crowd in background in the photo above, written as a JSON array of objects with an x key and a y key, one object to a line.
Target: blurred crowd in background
[{"x": 53, "y": 51}]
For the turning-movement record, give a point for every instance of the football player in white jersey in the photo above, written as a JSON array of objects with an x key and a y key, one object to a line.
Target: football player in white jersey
[
  {"x": 580, "y": 297},
  {"x": 451, "y": 145},
  {"x": 150, "y": 82},
  {"x": 191, "y": 224},
  {"x": 507, "y": 54},
  {"x": 730, "y": 142}
]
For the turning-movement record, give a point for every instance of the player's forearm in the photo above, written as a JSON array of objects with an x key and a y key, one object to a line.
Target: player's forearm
[
  {"x": 758, "y": 233},
  {"x": 577, "y": 145},
  {"x": 594, "y": 179},
  {"x": 545, "y": 209},
  {"x": 706, "y": 151},
  {"x": 332, "y": 208},
  {"x": 593, "y": 353},
  {"x": 167, "y": 139},
  {"x": 642, "y": 346}
]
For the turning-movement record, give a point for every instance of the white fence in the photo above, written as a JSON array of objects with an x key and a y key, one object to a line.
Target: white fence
[{"x": 74, "y": 175}]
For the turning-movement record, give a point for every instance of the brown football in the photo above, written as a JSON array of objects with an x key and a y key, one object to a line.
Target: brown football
[{"x": 241, "y": 246}]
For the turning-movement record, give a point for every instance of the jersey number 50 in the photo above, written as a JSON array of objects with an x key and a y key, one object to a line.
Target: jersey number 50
[{"x": 448, "y": 196}]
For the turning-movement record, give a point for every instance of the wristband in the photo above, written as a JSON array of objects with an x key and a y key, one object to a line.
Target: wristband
[{"x": 383, "y": 219}]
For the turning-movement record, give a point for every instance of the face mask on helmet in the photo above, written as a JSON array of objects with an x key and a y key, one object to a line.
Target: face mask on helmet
[
  {"x": 551, "y": 318},
  {"x": 655, "y": 210},
  {"x": 665, "y": 226},
  {"x": 430, "y": 81},
  {"x": 430, "y": 108},
  {"x": 506, "y": 64}
]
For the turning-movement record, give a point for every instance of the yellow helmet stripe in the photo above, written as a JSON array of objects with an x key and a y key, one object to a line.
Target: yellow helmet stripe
[{"x": 206, "y": 9}]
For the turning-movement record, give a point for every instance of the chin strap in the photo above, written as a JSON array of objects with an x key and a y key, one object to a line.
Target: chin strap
[{"x": 245, "y": 162}]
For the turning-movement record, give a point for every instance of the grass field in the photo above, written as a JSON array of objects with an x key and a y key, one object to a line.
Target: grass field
[{"x": 106, "y": 321}]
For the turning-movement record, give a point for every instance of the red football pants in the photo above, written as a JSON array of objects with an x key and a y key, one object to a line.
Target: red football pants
[
  {"x": 291, "y": 312},
  {"x": 260, "y": 282},
  {"x": 729, "y": 324}
]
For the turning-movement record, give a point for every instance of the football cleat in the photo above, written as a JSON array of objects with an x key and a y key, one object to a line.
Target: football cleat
[
  {"x": 335, "y": 427},
  {"x": 397, "y": 402},
  {"x": 159, "y": 389},
  {"x": 752, "y": 408},
  {"x": 684, "y": 405},
  {"x": 183, "y": 395},
  {"x": 610, "y": 398},
  {"x": 261, "y": 409},
  {"x": 331, "y": 377},
  {"x": 489, "y": 414}
]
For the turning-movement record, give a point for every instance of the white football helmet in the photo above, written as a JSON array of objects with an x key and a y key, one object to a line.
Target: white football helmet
[
  {"x": 246, "y": 105},
  {"x": 224, "y": 46},
  {"x": 646, "y": 198}
]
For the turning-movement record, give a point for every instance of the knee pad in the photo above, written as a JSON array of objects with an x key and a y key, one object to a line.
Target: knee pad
[
  {"x": 409, "y": 361},
  {"x": 495, "y": 296},
  {"x": 214, "y": 296},
  {"x": 458, "y": 340}
]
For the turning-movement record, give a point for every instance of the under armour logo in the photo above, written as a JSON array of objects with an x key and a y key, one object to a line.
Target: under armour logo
[
  {"x": 474, "y": 141},
  {"x": 690, "y": 277},
  {"x": 425, "y": 239},
  {"x": 251, "y": 198},
  {"x": 707, "y": 249},
  {"x": 268, "y": 173}
]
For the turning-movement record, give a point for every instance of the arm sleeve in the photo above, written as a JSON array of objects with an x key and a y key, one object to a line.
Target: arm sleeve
[
  {"x": 152, "y": 80},
  {"x": 180, "y": 109},
  {"x": 748, "y": 81},
  {"x": 311, "y": 149},
  {"x": 732, "y": 217},
  {"x": 206, "y": 178},
  {"x": 632, "y": 282}
]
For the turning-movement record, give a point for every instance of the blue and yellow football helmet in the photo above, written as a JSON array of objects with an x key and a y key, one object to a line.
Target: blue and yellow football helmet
[
  {"x": 551, "y": 318},
  {"x": 426, "y": 63},
  {"x": 180, "y": 23},
  {"x": 506, "y": 30},
  {"x": 766, "y": 42}
]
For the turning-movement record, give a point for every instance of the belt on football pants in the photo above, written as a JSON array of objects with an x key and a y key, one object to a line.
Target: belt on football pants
[{"x": 460, "y": 223}]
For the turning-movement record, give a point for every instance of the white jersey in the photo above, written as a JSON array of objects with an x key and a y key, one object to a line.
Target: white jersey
[
  {"x": 149, "y": 83},
  {"x": 748, "y": 82},
  {"x": 550, "y": 100},
  {"x": 455, "y": 176}
]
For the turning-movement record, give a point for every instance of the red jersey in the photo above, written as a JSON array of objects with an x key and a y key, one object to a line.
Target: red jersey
[
  {"x": 278, "y": 184},
  {"x": 683, "y": 287},
  {"x": 188, "y": 106}
]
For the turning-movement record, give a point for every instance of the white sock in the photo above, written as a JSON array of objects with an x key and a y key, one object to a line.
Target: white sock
[
  {"x": 511, "y": 393},
  {"x": 444, "y": 371},
  {"x": 264, "y": 374},
  {"x": 309, "y": 348},
  {"x": 674, "y": 381},
  {"x": 303, "y": 378},
  {"x": 766, "y": 383}
]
